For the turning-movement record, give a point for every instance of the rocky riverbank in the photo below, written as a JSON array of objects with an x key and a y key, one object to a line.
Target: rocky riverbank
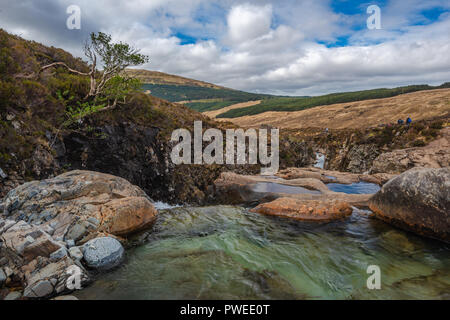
[
  {"x": 82, "y": 221},
  {"x": 79, "y": 220}
]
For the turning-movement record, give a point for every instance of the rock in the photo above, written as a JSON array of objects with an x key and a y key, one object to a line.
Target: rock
[
  {"x": 3, "y": 175},
  {"x": 306, "y": 210},
  {"x": 28, "y": 241},
  {"x": 65, "y": 298},
  {"x": 434, "y": 155},
  {"x": 44, "y": 278},
  {"x": 2, "y": 277},
  {"x": 58, "y": 254},
  {"x": 80, "y": 204},
  {"x": 70, "y": 243},
  {"x": 77, "y": 232},
  {"x": 75, "y": 253},
  {"x": 13, "y": 295},
  {"x": 3, "y": 261},
  {"x": 5, "y": 225},
  {"x": 103, "y": 253},
  {"x": 418, "y": 201},
  {"x": 122, "y": 217},
  {"x": 234, "y": 189},
  {"x": 39, "y": 290}
]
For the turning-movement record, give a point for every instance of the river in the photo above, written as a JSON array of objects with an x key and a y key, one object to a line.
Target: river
[{"x": 227, "y": 252}]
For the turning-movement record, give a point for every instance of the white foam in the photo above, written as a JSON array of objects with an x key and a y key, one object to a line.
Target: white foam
[{"x": 159, "y": 205}]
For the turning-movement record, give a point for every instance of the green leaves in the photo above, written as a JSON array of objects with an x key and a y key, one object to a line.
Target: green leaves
[{"x": 81, "y": 110}]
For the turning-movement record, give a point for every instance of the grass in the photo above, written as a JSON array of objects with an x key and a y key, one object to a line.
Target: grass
[
  {"x": 302, "y": 103},
  {"x": 218, "y": 98}
]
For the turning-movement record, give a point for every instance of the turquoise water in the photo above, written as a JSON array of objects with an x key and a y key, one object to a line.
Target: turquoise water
[{"x": 226, "y": 252}]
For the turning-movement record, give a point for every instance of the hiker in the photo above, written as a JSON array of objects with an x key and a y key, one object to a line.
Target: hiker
[
  {"x": 400, "y": 121},
  {"x": 408, "y": 121}
]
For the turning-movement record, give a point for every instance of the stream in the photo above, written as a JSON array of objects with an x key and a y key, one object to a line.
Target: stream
[{"x": 227, "y": 252}]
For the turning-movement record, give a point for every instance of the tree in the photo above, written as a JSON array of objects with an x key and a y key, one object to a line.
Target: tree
[
  {"x": 115, "y": 58},
  {"x": 107, "y": 85}
]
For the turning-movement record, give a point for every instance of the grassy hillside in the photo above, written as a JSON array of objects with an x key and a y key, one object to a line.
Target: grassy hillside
[
  {"x": 298, "y": 104},
  {"x": 202, "y": 98},
  {"x": 34, "y": 108},
  {"x": 197, "y": 95},
  {"x": 420, "y": 105},
  {"x": 155, "y": 77}
]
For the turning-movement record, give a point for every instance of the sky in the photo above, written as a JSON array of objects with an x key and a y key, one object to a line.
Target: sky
[{"x": 286, "y": 47}]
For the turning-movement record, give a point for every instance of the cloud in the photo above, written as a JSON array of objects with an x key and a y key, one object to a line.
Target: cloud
[
  {"x": 247, "y": 22},
  {"x": 286, "y": 47}
]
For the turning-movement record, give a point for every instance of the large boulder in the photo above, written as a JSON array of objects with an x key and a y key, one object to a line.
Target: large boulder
[
  {"x": 103, "y": 253},
  {"x": 41, "y": 222},
  {"x": 81, "y": 205},
  {"x": 305, "y": 210},
  {"x": 417, "y": 200}
]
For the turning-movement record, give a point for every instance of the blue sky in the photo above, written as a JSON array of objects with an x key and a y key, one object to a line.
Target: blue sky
[{"x": 293, "y": 47}]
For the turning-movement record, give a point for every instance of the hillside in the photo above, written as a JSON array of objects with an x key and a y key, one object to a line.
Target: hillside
[
  {"x": 130, "y": 141},
  {"x": 155, "y": 77},
  {"x": 197, "y": 95},
  {"x": 302, "y": 103},
  {"x": 420, "y": 105}
]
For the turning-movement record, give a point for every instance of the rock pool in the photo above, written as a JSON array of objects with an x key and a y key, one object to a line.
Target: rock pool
[{"x": 226, "y": 252}]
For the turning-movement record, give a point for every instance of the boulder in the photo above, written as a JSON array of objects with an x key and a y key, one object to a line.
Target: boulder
[
  {"x": 79, "y": 205},
  {"x": 103, "y": 253},
  {"x": 418, "y": 201},
  {"x": 305, "y": 210}
]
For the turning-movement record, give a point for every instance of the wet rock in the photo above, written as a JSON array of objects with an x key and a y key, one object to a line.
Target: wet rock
[
  {"x": 306, "y": 210},
  {"x": 418, "y": 201},
  {"x": 103, "y": 253}
]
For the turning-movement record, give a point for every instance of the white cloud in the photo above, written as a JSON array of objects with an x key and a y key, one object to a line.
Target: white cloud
[
  {"x": 259, "y": 45},
  {"x": 248, "y": 22}
]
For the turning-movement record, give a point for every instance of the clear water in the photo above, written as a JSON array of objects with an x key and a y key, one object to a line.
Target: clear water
[
  {"x": 355, "y": 188},
  {"x": 226, "y": 252},
  {"x": 271, "y": 187}
]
